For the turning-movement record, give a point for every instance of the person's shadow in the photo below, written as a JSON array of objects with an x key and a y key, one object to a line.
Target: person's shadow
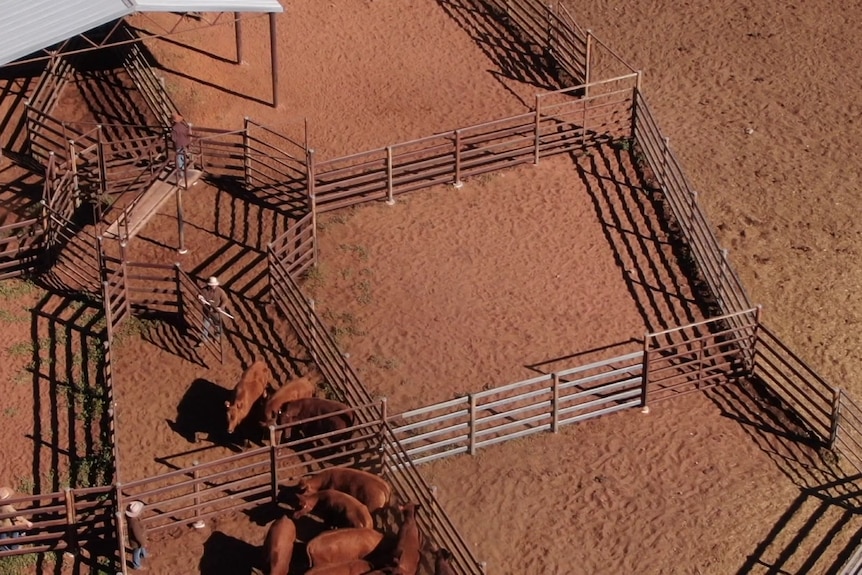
[{"x": 227, "y": 555}]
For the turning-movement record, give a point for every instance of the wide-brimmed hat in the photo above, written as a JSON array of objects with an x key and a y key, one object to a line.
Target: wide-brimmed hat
[
  {"x": 213, "y": 281},
  {"x": 134, "y": 508},
  {"x": 5, "y": 493}
]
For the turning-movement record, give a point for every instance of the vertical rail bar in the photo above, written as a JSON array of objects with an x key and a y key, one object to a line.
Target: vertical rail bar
[
  {"x": 246, "y": 157},
  {"x": 390, "y": 200},
  {"x": 472, "y": 432},
  {"x": 645, "y": 375},
  {"x": 457, "y": 183},
  {"x": 238, "y": 30},
  {"x": 273, "y": 464},
  {"x": 538, "y": 129},
  {"x": 273, "y": 57},
  {"x": 555, "y": 403},
  {"x": 836, "y": 414}
]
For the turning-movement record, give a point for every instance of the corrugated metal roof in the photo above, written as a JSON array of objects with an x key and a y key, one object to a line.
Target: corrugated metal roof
[{"x": 30, "y": 25}]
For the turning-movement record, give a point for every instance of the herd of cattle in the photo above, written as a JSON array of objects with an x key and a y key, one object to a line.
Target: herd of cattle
[{"x": 345, "y": 501}]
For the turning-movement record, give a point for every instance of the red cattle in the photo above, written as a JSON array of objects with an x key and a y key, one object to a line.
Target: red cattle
[
  {"x": 441, "y": 562},
  {"x": 407, "y": 550},
  {"x": 325, "y": 409},
  {"x": 294, "y": 389},
  {"x": 368, "y": 488},
  {"x": 355, "y": 567},
  {"x": 329, "y": 502},
  {"x": 250, "y": 388},
  {"x": 278, "y": 546},
  {"x": 342, "y": 545}
]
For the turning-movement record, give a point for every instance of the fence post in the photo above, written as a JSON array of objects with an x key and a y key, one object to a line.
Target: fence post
[
  {"x": 273, "y": 464},
  {"x": 458, "y": 183},
  {"x": 555, "y": 403},
  {"x": 180, "y": 233},
  {"x": 472, "y": 433},
  {"x": 390, "y": 200},
  {"x": 645, "y": 375},
  {"x": 198, "y": 524},
  {"x": 71, "y": 531},
  {"x": 692, "y": 207},
  {"x": 587, "y": 64},
  {"x": 836, "y": 414},
  {"x": 121, "y": 530},
  {"x": 246, "y": 159},
  {"x": 538, "y": 129}
]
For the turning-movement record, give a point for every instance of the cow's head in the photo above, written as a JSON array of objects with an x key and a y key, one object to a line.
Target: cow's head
[
  {"x": 302, "y": 486},
  {"x": 306, "y": 504},
  {"x": 233, "y": 416}
]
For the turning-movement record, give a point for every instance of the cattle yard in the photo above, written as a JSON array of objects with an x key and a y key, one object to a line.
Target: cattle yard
[{"x": 271, "y": 194}]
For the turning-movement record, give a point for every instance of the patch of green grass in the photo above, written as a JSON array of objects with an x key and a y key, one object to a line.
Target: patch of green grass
[
  {"x": 21, "y": 348},
  {"x": 383, "y": 362},
  {"x": 18, "y": 564},
  {"x": 314, "y": 278},
  {"x": 24, "y": 485},
  {"x": 624, "y": 144},
  {"x": 363, "y": 292},
  {"x": 359, "y": 251},
  {"x": 15, "y": 288},
  {"x": 10, "y": 411},
  {"x": 7, "y": 316},
  {"x": 93, "y": 469}
]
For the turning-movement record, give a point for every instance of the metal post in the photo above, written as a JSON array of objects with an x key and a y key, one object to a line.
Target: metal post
[
  {"x": 458, "y": 183},
  {"x": 71, "y": 529},
  {"x": 198, "y": 524},
  {"x": 273, "y": 463},
  {"x": 390, "y": 200},
  {"x": 246, "y": 159},
  {"x": 180, "y": 233},
  {"x": 645, "y": 375},
  {"x": 273, "y": 57},
  {"x": 472, "y": 431},
  {"x": 238, "y": 29},
  {"x": 538, "y": 129},
  {"x": 587, "y": 65},
  {"x": 555, "y": 403},
  {"x": 836, "y": 414}
]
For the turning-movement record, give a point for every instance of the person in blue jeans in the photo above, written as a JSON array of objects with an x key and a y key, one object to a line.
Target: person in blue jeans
[
  {"x": 15, "y": 521},
  {"x": 137, "y": 533}
]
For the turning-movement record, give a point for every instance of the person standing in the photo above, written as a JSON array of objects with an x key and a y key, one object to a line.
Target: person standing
[
  {"x": 214, "y": 301},
  {"x": 16, "y": 521},
  {"x": 137, "y": 533},
  {"x": 181, "y": 136}
]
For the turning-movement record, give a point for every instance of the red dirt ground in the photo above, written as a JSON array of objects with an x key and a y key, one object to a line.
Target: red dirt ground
[{"x": 450, "y": 291}]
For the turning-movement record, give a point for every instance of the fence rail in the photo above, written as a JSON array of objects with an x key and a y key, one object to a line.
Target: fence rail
[
  {"x": 21, "y": 247},
  {"x": 151, "y": 88},
  {"x": 678, "y": 195}
]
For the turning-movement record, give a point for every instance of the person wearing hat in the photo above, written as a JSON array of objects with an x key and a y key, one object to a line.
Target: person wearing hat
[
  {"x": 181, "y": 136},
  {"x": 6, "y": 522},
  {"x": 137, "y": 533},
  {"x": 214, "y": 301}
]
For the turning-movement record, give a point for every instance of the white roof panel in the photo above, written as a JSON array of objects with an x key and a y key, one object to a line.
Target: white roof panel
[{"x": 30, "y": 25}]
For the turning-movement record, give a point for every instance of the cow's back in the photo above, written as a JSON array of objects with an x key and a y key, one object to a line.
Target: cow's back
[
  {"x": 368, "y": 488},
  {"x": 342, "y": 545},
  {"x": 252, "y": 383},
  {"x": 278, "y": 546},
  {"x": 293, "y": 390}
]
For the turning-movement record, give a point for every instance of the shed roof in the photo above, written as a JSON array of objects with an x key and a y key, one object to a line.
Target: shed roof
[{"x": 30, "y": 25}]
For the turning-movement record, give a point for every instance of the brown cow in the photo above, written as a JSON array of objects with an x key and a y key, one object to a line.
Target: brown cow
[
  {"x": 314, "y": 407},
  {"x": 250, "y": 388},
  {"x": 278, "y": 546},
  {"x": 349, "y": 510},
  {"x": 342, "y": 545},
  {"x": 355, "y": 567},
  {"x": 407, "y": 550},
  {"x": 441, "y": 562},
  {"x": 294, "y": 389},
  {"x": 368, "y": 488}
]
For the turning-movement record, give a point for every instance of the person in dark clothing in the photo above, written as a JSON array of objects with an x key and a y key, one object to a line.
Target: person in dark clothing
[
  {"x": 137, "y": 533},
  {"x": 215, "y": 302},
  {"x": 181, "y": 136}
]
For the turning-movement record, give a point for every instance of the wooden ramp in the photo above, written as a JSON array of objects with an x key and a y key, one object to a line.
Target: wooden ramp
[{"x": 133, "y": 219}]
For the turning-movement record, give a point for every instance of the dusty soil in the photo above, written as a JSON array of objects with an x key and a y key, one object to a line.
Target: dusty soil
[{"x": 532, "y": 269}]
